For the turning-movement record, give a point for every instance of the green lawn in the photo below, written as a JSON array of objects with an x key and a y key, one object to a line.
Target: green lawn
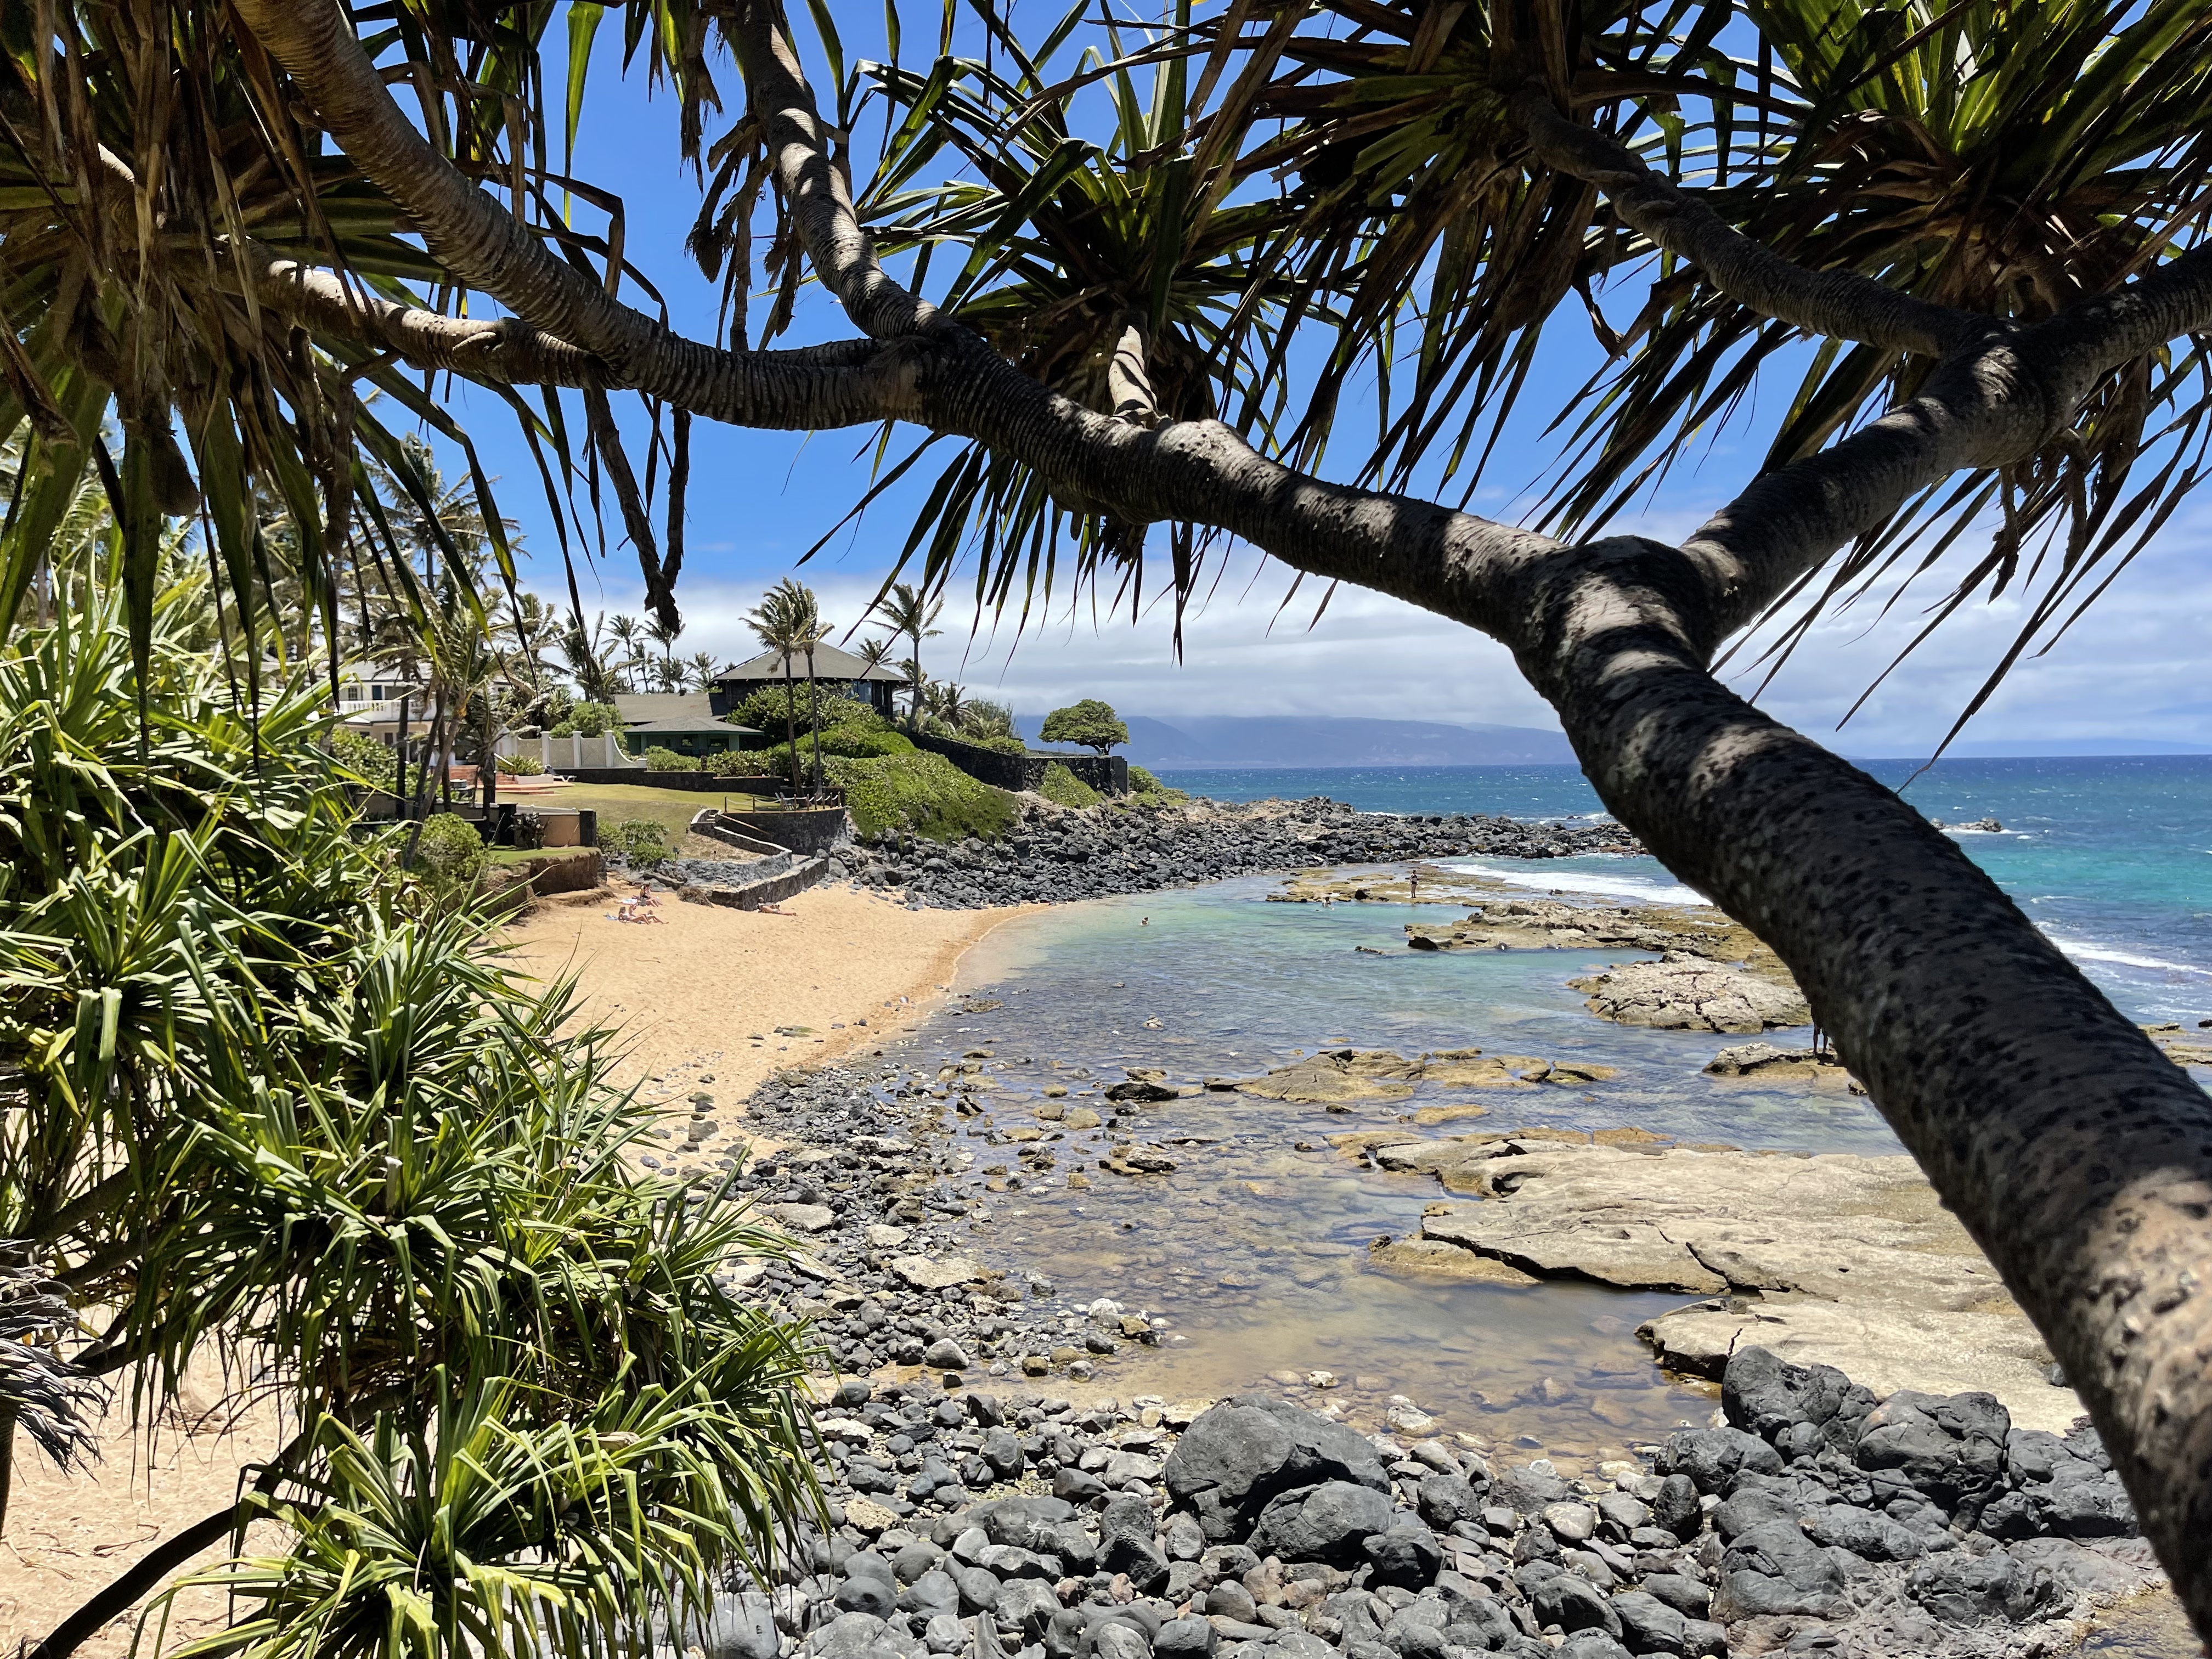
[
  {"x": 520, "y": 855},
  {"x": 672, "y": 809}
]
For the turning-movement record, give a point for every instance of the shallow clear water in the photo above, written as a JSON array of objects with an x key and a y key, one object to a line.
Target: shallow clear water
[
  {"x": 2112, "y": 857},
  {"x": 1254, "y": 1250}
]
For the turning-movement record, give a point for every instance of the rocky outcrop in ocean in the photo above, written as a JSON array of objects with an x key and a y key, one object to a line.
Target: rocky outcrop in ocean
[{"x": 1057, "y": 854}]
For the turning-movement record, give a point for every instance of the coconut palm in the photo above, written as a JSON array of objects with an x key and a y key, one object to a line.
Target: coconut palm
[
  {"x": 788, "y": 621},
  {"x": 907, "y": 612}
]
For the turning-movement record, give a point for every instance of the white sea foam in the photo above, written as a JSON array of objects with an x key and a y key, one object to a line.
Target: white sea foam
[
  {"x": 2081, "y": 951},
  {"x": 1640, "y": 888}
]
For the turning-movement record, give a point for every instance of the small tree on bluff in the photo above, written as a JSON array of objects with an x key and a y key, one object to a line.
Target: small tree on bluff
[{"x": 1092, "y": 723}]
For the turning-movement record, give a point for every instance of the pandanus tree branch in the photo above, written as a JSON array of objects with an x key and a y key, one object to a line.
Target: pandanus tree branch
[{"x": 2079, "y": 1158}]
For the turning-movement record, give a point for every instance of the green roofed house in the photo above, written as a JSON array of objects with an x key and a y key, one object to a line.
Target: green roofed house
[
  {"x": 684, "y": 722},
  {"x": 837, "y": 673}
]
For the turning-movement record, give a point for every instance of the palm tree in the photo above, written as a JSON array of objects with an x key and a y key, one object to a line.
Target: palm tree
[
  {"x": 627, "y": 632},
  {"x": 788, "y": 621},
  {"x": 531, "y": 625},
  {"x": 580, "y": 649},
  {"x": 665, "y": 633},
  {"x": 704, "y": 670},
  {"x": 909, "y": 612},
  {"x": 949, "y": 703}
]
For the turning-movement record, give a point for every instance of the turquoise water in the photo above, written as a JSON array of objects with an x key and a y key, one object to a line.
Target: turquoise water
[
  {"x": 2112, "y": 857},
  {"x": 1253, "y": 1254}
]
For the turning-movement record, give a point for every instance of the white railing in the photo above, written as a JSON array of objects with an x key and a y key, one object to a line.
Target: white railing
[{"x": 573, "y": 753}]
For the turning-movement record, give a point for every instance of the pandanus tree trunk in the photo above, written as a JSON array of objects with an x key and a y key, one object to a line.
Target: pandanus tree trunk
[{"x": 2076, "y": 1154}]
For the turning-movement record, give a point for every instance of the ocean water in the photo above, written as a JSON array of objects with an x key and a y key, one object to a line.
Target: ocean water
[
  {"x": 2112, "y": 857},
  {"x": 1253, "y": 1253}
]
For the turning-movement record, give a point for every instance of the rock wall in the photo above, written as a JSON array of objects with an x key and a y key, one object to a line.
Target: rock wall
[
  {"x": 1057, "y": 854},
  {"x": 1107, "y": 773}
]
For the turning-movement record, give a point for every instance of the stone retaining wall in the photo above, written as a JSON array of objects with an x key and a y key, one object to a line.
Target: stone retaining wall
[
  {"x": 754, "y": 894},
  {"x": 803, "y": 830},
  {"x": 1107, "y": 773}
]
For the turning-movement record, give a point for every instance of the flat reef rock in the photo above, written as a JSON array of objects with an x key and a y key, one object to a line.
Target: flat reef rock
[
  {"x": 1340, "y": 1076},
  {"x": 1811, "y": 1067},
  {"x": 1689, "y": 993},
  {"x": 1830, "y": 1260},
  {"x": 1538, "y": 924}
]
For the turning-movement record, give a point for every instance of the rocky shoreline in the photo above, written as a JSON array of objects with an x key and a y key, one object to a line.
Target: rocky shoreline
[
  {"x": 986, "y": 1500},
  {"x": 1057, "y": 855}
]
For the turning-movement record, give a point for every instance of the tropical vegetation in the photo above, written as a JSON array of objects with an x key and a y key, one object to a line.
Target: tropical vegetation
[
  {"x": 1091, "y": 724},
  {"x": 920, "y": 795},
  {"x": 274, "y": 1115},
  {"x": 1941, "y": 267}
]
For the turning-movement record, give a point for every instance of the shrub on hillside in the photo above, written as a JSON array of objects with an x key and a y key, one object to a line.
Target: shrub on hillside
[
  {"x": 1063, "y": 788},
  {"x": 766, "y": 711},
  {"x": 922, "y": 793},
  {"x": 588, "y": 720},
  {"x": 364, "y": 757},
  {"x": 452, "y": 852},
  {"x": 658, "y": 759},
  {"x": 1146, "y": 787},
  {"x": 640, "y": 841}
]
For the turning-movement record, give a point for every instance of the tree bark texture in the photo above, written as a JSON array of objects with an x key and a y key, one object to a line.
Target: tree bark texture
[{"x": 2078, "y": 1156}]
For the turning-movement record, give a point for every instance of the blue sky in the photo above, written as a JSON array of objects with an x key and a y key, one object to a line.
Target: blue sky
[{"x": 759, "y": 499}]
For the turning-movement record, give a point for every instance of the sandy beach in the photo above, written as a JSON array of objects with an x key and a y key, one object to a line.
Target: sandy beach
[
  {"x": 742, "y": 994},
  {"x": 688, "y": 991}
]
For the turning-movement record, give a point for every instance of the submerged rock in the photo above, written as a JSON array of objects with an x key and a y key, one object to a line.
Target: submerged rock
[{"x": 1688, "y": 993}]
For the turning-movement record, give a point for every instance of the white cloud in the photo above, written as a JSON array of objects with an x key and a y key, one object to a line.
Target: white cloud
[{"x": 2131, "y": 669}]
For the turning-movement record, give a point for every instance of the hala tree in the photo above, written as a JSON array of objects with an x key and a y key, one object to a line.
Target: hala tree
[
  {"x": 1973, "y": 232},
  {"x": 1090, "y": 723}
]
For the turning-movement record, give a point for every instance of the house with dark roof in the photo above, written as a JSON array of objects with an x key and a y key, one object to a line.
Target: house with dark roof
[
  {"x": 685, "y": 722},
  {"x": 836, "y": 673}
]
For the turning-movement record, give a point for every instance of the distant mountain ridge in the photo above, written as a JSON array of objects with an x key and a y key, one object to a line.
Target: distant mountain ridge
[
  {"x": 1202, "y": 741},
  {"x": 1278, "y": 742}
]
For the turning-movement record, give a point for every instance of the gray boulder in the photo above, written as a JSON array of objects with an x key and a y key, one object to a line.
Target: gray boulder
[
  {"x": 1767, "y": 1395},
  {"x": 1863, "y": 1532},
  {"x": 1686, "y": 1595},
  {"x": 978, "y": 1587},
  {"x": 932, "y": 1593},
  {"x": 867, "y": 1594},
  {"x": 1126, "y": 1546},
  {"x": 1528, "y": 1489},
  {"x": 1027, "y": 1606},
  {"x": 1407, "y": 1556},
  {"x": 1711, "y": 1459},
  {"x": 1676, "y": 1507},
  {"x": 1648, "y": 1624},
  {"x": 1020, "y": 1520},
  {"x": 1963, "y": 1590},
  {"x": 1750, "y": 1508},
  {"x": 1185, "y": 1638},
  {"x": 1445, "y": 1498},
  {"x": 1949, "y": 1446},
  {"x": 1240, "y": 1454},
  {"x": 736, "y": 1626},
  {"x": 1777, "y": 1569},
  {"x": 1114, "y": 1639},
  {"x": 1574, "y": 1604},
  {"x": 1592, "y": 1644},
  {"x": 1328, "y": 1522}
]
